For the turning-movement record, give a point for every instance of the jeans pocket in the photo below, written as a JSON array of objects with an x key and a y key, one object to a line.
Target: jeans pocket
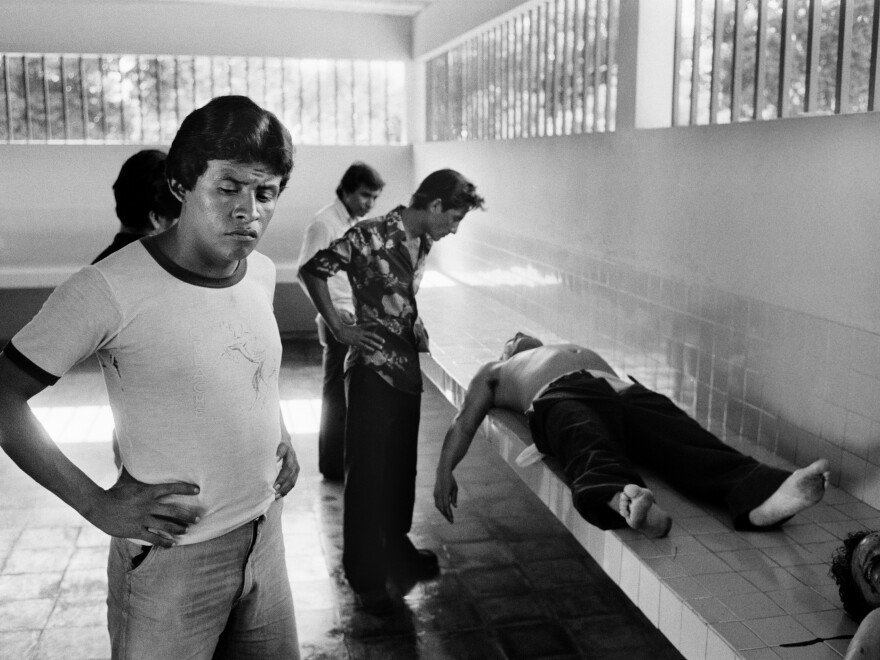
[{"x": 139, "y": 556}]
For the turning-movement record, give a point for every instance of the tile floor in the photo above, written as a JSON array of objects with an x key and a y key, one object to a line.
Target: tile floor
[{"x": 515, "y": 584}]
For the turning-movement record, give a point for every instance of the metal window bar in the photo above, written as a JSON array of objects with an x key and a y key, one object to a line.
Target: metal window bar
[
  {"x": 504, "y": 70},
  {"x": 567, "y": 81},
  {"x": 523, "y": 85},
  {"x": 45, "y": 97},
  {"x": 717, "y": 42},
  {"x": 610, "y": 64},
  {"x": 589, "y": 64},
  {"x": 737, "y": 70},
  {"x": 547, "y": 74},
  {"x": 122, "y": 129},
  {"x": 511, "y": 79},
  {"x": 844, "y": 58},
  {"x": 553, "y": 57},
  {"x": 576, "y": 71},
  {"x": 695, "y": 61},
  {"x": 513, "y": 87},
  {"x": 475, "y": 132},
  {"x": 482, "y": 99},
  {"x": 783, "y": 102},
  {"x": 468, "y": 106},
  {"x": 84, "y": 109},
  {"x": 64, "y": 101},
  {"x": 531, "y": 110},
  {"x": 490, "y": 85},
  {"x": 29, "y": 132},
  {"x": 875, "y": 51},
  {"x": 597, "y": 84},
  {"x": 464, "y": 92},
  {"x": 484, "y": 85},
  {"x": 811, "y": 74},
  {"x": 538, "y": 77},
  {"x": 8, "y": 99},
  {"x": 103, "y": 99},
  {"x": 676, "y": 63},
  {"x": 159, "y": 96},
  {"x": 760, "y": 60},
  {"x": 558, "y": 56}
]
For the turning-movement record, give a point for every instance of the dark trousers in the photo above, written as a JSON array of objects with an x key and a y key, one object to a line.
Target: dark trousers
[
  {"x": 331, "y": 435},
  {"x": 598, "y": 436},
  {"x": 381, "y": 443}
]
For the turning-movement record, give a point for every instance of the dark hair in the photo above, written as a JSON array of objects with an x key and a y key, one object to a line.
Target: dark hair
[
  {"x": 359, "y": 174},
  {"x": 841, "y": 570},
  {"x": 451, "y": 188},
  {"x": 230, "y": 128},
  {"x": 141, "y": 187}
]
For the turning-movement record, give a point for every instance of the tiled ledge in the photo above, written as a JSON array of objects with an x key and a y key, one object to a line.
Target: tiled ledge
[{"x": 716, "y": 593}]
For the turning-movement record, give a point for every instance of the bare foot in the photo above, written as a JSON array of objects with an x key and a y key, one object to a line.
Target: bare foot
[
  {"x": 641, "y": 512},
  {"x": 804, "y": 488}
]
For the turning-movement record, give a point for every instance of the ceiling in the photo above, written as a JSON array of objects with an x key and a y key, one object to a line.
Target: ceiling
[{"x": 389, "y": 7}]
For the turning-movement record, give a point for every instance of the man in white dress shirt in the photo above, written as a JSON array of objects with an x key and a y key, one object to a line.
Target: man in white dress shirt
[{"x": 356, "y": 195}]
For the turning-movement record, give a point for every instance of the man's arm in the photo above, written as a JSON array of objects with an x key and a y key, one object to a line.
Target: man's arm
[
  {"x": 866, "y": 642},
  {"x": 130, "y": 509},
  {"x": 353, "y": 335},
  {"x": 317, "y": 238},
  {"x": 480, "y": 397}
]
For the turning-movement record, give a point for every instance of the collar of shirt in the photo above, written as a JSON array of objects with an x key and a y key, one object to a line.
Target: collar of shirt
[{"x": 343, "y": 213}]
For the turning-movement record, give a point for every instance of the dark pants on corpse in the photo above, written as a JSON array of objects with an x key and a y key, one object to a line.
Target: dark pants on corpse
[
  {"x": 381, "y": 446},
  {"x": 331, "y": 435},
  {"x": 597, "y": 434}
]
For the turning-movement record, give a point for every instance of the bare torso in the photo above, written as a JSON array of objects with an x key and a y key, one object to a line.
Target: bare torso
[{"x": 521, "y": 377}]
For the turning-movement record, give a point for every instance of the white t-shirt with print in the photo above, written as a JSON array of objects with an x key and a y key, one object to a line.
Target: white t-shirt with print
[{"x": 191, "y": 367}]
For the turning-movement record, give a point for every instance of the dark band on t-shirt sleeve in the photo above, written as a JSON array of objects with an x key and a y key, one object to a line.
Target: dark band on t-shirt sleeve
[{"x": 21, "y": 361}]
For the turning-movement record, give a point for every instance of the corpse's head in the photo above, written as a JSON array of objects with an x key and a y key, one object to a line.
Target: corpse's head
[
  {"x": 518, "y": 343},
  {"x": 855, "y": 567}
]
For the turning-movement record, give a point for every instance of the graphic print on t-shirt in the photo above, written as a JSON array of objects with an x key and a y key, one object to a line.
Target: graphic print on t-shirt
[{"x": 242, "y": 344}]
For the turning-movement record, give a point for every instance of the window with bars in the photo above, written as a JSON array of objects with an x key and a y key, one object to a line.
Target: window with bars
[
  {"x": 550, "y": 69},
  {"x": 141, "y": 99},
  {"x": 741, "y": 60}
]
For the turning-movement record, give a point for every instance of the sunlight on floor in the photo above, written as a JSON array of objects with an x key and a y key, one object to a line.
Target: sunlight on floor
[{"x": 69, "y": 424}]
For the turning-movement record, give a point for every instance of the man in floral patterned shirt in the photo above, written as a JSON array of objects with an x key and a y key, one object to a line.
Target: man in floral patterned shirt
[{"x": 385, "y": 260}]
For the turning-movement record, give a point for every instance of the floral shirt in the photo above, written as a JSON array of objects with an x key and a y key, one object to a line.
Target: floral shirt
[{"x": 384, "y": 282}]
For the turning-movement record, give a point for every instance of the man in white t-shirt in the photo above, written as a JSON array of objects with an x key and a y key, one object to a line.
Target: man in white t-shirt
[
  {"x": 356, "y": 194},
  {"x": 183, "y": 326}
]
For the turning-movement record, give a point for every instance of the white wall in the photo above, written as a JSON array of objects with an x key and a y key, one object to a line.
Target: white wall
[
  {"x": 162, "y": 28},
  {"x": 784, "y": 211}
]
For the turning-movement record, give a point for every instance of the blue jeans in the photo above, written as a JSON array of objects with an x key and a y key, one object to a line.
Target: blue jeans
[{"x": 224, "y": 598}]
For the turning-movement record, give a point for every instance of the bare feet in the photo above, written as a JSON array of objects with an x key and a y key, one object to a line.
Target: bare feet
[
  {"x": 641, "y": 512},
  {"x": 804, "y": 488}
]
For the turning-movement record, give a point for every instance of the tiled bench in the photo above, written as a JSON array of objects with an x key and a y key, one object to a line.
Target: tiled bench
[{"x": 717, "y": 594}]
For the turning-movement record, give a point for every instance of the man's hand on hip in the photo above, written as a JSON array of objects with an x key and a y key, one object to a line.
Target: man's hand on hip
[{"x": 133, "y": 509}]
